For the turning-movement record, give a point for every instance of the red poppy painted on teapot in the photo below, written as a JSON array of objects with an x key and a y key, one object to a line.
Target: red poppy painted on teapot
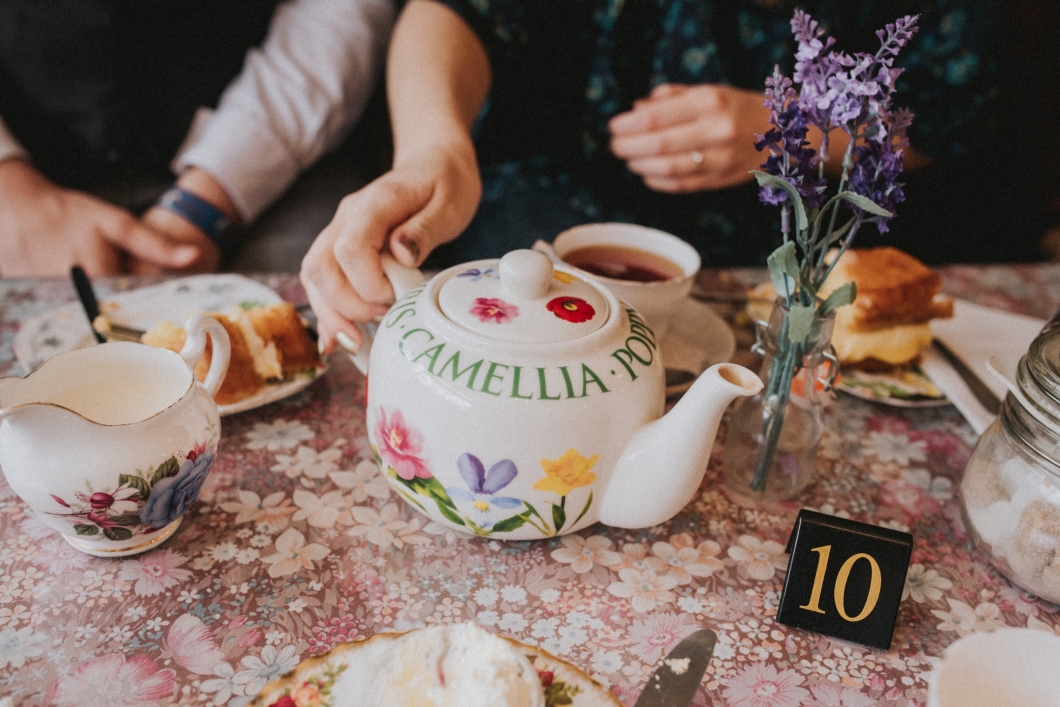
[{"x": 516, "y": 400}]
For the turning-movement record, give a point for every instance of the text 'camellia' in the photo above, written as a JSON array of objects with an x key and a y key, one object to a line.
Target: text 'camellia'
[{"x": 577, "y": 380}]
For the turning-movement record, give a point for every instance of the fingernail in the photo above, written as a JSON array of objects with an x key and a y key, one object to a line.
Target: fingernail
[
  {"x": 347, "y": 343},
  {"x": 411, "y": 246},
  {"x": 320, "y": 347}
]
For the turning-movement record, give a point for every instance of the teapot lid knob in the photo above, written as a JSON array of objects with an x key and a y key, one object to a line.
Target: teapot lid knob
[{"x": 526, "y": 274}]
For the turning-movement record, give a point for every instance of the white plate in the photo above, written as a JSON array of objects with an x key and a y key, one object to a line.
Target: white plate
[
  {"x": 907, "y": 387},
  {"x": 67, "y": 328},
  {"x": 698, "y": 338},
  {"x": 356, "y": 661}
]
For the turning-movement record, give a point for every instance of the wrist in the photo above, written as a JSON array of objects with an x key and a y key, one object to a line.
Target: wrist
[
  {"x": 200, "y": 183},
  {"x": 204, "y": 216}
]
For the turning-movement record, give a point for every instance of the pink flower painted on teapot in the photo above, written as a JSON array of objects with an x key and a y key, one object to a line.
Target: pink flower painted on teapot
[
  {"x": 494, "y": 309},
  {"x": 401, "y": 446}
]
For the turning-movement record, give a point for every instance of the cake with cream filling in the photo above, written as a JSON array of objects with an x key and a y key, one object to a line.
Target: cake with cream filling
[
  {"x": 459, "y": 665},
  {"x": 268, "y": 344}
]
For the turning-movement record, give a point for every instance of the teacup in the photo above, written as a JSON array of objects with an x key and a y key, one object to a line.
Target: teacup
[
  {"x": 110, "y": 444},
  {"x": 644, "y": 267},
  {"x": 1009, "y": 667}
]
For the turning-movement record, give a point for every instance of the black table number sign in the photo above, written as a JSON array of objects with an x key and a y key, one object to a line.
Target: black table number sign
[{"x": 845, "y": 578}]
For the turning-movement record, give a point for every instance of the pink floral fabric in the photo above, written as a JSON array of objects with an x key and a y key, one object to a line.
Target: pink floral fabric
[{"x": 297, "y": 544}]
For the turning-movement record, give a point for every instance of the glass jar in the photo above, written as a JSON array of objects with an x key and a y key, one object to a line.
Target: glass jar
[
  {"x": 771, "y": 448},
  {"x": 1010, "y": 493}
]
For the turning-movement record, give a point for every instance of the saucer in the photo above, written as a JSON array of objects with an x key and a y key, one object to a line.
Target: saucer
[
  {"x": 698, "y": 338},
  {"x": 324, "y": 675},
  {"x": 67, "y": 328}
]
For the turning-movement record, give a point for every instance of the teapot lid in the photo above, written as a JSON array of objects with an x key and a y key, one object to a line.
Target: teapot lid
[{"x": 522, "y": 298}]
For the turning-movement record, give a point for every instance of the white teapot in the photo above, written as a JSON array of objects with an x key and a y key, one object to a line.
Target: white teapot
[
  {"x": 516, "y": 400},
  {"x": 110, "y": 444}
]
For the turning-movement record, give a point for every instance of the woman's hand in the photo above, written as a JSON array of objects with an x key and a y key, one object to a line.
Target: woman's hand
[
  {"x": 427, "y": 199},
  {"x": 691, "y": 138},
  {"x": 46, "y": 229}
]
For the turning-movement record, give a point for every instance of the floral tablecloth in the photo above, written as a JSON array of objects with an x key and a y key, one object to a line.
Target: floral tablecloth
[{"x": 297, "y": 544}]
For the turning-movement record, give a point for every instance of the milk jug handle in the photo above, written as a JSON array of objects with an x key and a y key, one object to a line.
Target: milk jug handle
[
  {"x": 197, "y": 328},
  {"x": 402, "y": 279}
]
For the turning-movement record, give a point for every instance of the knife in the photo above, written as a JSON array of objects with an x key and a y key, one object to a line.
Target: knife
[
  {"x": 676, "y": 679},
  {"x": 88, "y": 299},
  {"x": 975, "y": 384}
]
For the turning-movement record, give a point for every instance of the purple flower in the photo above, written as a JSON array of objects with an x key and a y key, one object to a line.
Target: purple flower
[
  {"x": 874, "y": 175},
  {"x": 790, "y": 156},
  {"x": 478, "y": 500},
  {"x": 171, "y": 496}
]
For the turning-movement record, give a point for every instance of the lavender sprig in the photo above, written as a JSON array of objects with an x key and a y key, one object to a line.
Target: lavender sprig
[{"x": 852, "y": 93}]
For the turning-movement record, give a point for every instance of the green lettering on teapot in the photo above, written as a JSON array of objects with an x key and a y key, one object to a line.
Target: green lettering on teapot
[
  {"x": 454, "y": 362},
  {"x": 500, "y": 379}
]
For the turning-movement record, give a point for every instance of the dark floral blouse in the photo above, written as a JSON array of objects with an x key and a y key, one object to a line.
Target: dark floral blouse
[{"x": 563, "y": 68}]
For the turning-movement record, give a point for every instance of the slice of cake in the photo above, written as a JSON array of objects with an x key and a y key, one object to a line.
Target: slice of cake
[{"x": 268, "y": 343}]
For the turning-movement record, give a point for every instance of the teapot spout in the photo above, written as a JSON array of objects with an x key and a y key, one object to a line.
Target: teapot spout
[{"x": 664, "y": 463}]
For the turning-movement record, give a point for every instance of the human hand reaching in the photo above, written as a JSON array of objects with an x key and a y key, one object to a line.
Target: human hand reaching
[
  {"x": 427, "y": 199},
  {"x": 47, "y": 228},
  {"x": 684, "y": 138}
]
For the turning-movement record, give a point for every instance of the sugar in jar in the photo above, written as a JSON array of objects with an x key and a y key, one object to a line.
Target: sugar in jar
[{"x": 1010, "y": 493}]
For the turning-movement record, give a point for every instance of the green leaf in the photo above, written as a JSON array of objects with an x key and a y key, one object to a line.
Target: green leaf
[
  {"x": 800, "y": 321},
  {"x": 168, "y": 468},
  {"x": 841, "y": 296},
  {"x": 784, "y": 269},
  {"x": 559, "y": 516},
  {"x": 864, "y": 203},
  {"x": 584, "y": 510},
  {"x": 137, "y": 483},
  {"x": 117, "y": 533},
  {"x": 449, "y": 512},
  {"x": 841, "y": 231},
  {"x": 533, "y": 511},
  {"x": 768, "y": 180},
  {"x": 429, "y": 487},
  {"x": 127, "y": 519},
  {"x": 81, "y": 529},
  {"x": 509, "y": 524}
]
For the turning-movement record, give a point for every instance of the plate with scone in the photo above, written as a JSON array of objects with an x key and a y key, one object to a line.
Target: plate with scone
[
  {"x": 456, "y": 665},
  {"x": 879, "y": 338},
  {"x": 273, "y": 352}
]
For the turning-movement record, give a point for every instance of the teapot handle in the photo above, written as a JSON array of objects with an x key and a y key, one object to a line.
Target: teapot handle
[
  {"x": 402, "y": 279},
  {"x": 198, "y": 327}
]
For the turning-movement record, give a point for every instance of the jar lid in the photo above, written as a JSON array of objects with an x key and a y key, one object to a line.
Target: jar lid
[
  {"x": 522, "y": 298},
  {"x": 1038, "y": 379}
]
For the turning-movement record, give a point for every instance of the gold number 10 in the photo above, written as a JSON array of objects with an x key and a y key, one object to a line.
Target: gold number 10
[{"x": 841, "y": 584}]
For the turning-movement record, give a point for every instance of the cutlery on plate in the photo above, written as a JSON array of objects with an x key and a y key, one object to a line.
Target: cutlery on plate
[
  {"x": 978, "y": 388},
  {"x": 675, "y": 680},
  {"x": 106, "y": 330},
  {"x": 103, "y": 330}
]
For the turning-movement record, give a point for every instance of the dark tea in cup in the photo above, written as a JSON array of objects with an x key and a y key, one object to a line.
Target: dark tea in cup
[{"x": 623, "y": 263}]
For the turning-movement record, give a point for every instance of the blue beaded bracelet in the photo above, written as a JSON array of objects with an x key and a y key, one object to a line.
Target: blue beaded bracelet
[{"x": 200, "y": 213}]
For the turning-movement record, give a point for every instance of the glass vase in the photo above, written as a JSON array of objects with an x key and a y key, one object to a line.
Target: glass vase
[{"x": 771, "y": 448}]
